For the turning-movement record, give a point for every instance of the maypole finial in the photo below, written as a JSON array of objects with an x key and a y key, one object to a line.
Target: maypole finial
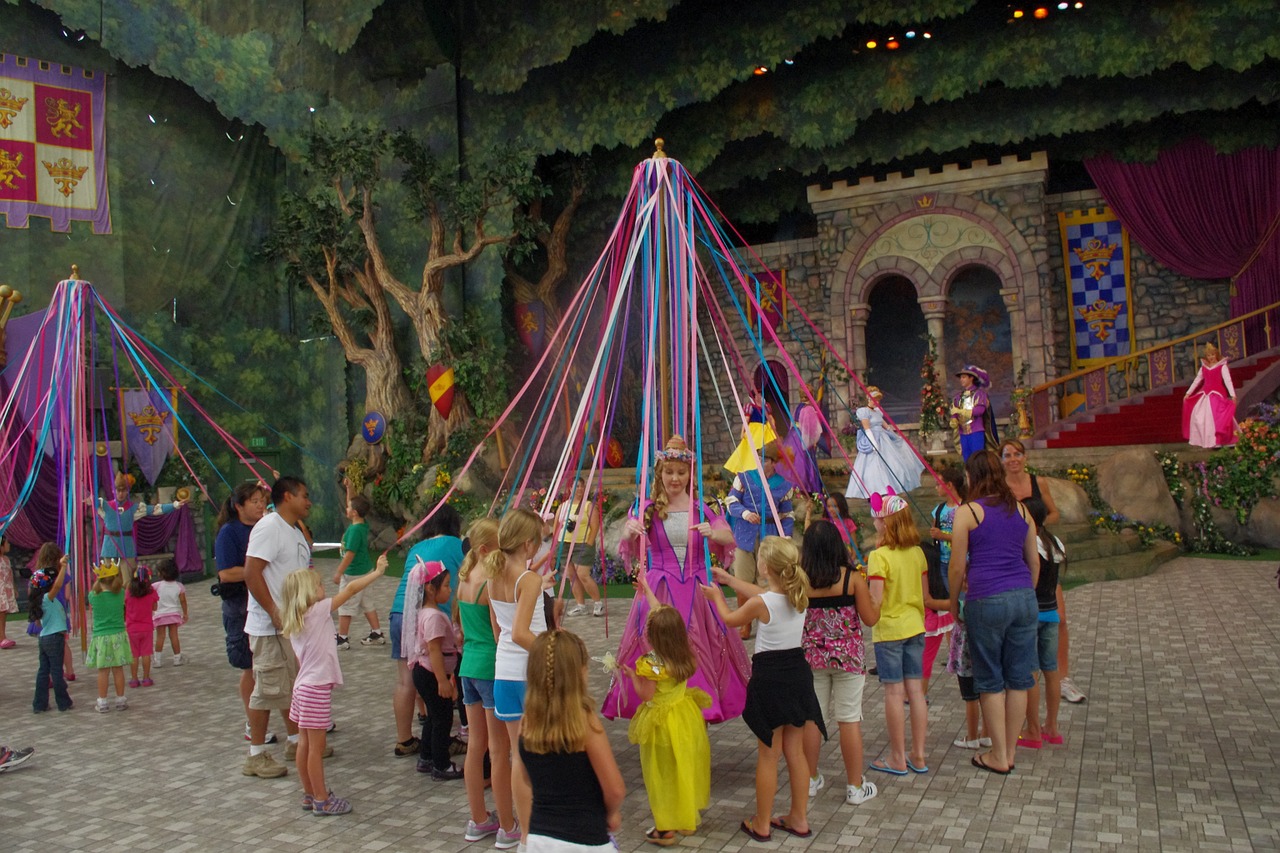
[
  {"x": 75, "y": 272},
  {"x": 658, "y": 153}
]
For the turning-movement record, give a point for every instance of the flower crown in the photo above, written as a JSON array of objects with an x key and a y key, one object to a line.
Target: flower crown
[
  {"x": 107, "y": 569},
  {"x": 675, "y": 451}
]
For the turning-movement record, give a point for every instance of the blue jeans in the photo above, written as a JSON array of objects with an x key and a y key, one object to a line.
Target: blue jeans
[
  {"x": 1002, "y": 640},
  {"x": 51, "y": 650}
]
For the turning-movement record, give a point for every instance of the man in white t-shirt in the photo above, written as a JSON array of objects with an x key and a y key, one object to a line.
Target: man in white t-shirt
[{"x": 277, "y": 547}]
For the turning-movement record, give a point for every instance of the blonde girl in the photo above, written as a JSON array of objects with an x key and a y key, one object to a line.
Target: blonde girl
[
  {"x": 898, "y": 575},
  {"x": 565, "y": 757},
  {"x": 780, "y": 696},
  {"x": 471, "y": 613},
  {"x": 517, "y": 617},
  {"x": 306, "y": 618},
  {"x": 675, "y": 754},
  {"x": 109, "y": 648}
]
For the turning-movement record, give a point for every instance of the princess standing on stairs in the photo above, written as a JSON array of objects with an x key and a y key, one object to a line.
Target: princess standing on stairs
[{"x": 1209, "y": 407}]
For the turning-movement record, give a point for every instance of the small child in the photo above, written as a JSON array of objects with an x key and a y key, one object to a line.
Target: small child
[
  {"x": 139, "y": 622},
  {"x": 839, "y": 602},
  {"x": 675, "y": 754},
  {"x": 433, "y": 657},
  {"x": 565, "y": 755},
  {"x": 48, "y": 558},
  {"x": 897, "y": 572},
  {"x": 780, "y": 696},
  {"x": 109, "y": 648},
  {"x": 355, "y": 563},
  {"x": 47, "y": 611},
  {"x": 306, "y": 618},
  {"x": 938, "y": 621},
  {"x": 1053, "y": 556},
  {"x": 8, "y": 596},
  {"x": 171, "y": 611}
]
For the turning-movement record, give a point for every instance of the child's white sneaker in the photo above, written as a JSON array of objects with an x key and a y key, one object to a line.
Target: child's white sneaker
[
  {"x": 178, "y": 660},
  {"x": 121, "y": 703},
  {"x": 598, "y": 609},
  {"x": 816, "y": 784},
  {"x": 157, "y": 660},
  {"x": 856, "y": 795},
  {"x": 103, "y": 706}
]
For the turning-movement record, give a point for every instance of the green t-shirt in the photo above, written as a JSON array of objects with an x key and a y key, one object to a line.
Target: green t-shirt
[
  {"x": 108, "y": 613},
  {"x": 356, "y": 540}
]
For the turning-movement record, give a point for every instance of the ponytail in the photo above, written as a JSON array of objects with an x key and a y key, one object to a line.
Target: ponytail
[{"x": 780, "y": 557}]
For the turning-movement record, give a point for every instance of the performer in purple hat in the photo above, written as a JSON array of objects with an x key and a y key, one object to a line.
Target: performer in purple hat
[{"x": 971, "y": 414}]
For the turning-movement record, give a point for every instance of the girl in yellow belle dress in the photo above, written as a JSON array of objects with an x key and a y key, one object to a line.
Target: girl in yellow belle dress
[{"x": 675, "y": 754}]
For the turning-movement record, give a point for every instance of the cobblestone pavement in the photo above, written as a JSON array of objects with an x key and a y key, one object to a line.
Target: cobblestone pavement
[{"x": 1175, "y": 749}]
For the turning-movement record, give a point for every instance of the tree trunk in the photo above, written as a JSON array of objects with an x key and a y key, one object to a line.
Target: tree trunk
[{"x": 385, "y": 389}]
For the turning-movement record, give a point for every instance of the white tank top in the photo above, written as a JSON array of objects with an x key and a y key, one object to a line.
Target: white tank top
[
  {"x": 785, "y": 627},
  {"x": 512, "y": 660}
]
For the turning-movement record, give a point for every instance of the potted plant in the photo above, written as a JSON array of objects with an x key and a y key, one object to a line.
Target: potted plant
[{"x": 934, "y": 408}]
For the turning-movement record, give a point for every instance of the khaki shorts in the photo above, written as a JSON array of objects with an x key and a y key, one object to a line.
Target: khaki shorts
[
  {"x": 744, "y": 565},
  {"x": 274, "y": 669},
  {"x": 839, "y": 694},
  {"x": 355, "y": 605}
]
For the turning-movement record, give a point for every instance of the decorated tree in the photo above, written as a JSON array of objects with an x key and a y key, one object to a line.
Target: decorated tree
[{"x": 934, "y": 408}]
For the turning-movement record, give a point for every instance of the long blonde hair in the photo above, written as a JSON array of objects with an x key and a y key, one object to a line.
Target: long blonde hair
[
  {"x": 780, "y": 557},
  {"x": 482, "y": 532},
  {"x": 670, "y": 641},
  {"x": 557, "y": 707},
  {"x": 301, "y": 590},
  {"x": 517, "y": 528}
]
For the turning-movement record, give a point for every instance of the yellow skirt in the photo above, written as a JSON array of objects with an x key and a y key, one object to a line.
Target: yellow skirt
[{"x": 742, "y": 460}]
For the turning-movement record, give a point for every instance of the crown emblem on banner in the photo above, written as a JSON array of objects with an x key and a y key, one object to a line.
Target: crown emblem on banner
[
  {"x": 1096, "y": 256},
  {"x": 65, "y": 173},
  {"x": 10, "y": 106},
  {"x": 149, "y": 423},
  {"x": 1101, "y": 317}
]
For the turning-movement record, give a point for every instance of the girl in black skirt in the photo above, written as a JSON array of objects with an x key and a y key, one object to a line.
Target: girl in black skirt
[{"x": 780, "y": 696}]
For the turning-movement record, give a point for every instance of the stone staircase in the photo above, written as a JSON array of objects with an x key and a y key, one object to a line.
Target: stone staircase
[{"x": 1100, "y": 555}]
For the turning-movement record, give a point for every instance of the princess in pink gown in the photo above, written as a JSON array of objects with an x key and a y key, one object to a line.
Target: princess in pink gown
[
  {"x": 676, "y": 571},
  {"x": 1209, "y": 407}
]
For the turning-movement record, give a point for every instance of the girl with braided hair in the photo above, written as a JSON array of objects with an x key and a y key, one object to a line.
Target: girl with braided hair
[
  {"x": 565, "y": 757},
  {"x": 671, "y": 530}
]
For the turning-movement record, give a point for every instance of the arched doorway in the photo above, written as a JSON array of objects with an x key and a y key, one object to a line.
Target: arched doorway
[
  {"x": 771, "y": 383},
  {"x": 896, "y": 346},
  {"x": 977, "y": 332}
]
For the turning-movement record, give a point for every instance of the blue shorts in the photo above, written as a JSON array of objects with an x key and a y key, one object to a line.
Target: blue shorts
[
  {"x": 1002, "y": 640},
  {"x": 394, "y": 624},
  {"x": 508, "y": 700},
  {"x": 1047, "y": 645},
  {"x": 478, "y": 691},
  {"x": 897, "y": 660}
]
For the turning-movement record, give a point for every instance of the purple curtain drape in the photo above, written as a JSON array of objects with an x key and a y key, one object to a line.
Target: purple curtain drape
[
  {"x": 153, "y": 533},
  {"x": 1202, "y": 214}
]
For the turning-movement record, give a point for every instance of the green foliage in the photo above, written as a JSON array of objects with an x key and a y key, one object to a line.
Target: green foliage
[
  {"x": 395, "y": 489},
  {"x": 1104, "y": 517},
  {"x": 933, "y": 403},
  {"x": 479, "y": 365}
]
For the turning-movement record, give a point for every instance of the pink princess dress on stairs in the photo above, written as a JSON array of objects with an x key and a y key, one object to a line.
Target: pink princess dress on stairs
[{"x": 1209, "y": 408}]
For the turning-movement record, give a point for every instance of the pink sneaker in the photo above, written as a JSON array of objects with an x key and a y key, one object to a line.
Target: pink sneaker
[
  {"x": 135, "y": 683},
  {"x": 146, "y": 682},
  {"x": 6, "y": 643}
]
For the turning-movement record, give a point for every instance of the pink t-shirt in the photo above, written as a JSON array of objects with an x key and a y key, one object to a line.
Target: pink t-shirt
[
  {"x": 434, "y": 625},
  {"x": 138, "y": 614},
  {"x": 317, "y": 652}
]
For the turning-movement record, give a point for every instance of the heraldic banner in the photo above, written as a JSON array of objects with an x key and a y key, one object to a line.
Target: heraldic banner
[
  {"x": 53, "y": 153},
  {"x": 1095, "y": 251},
  {"x": 149, "y": 427}
]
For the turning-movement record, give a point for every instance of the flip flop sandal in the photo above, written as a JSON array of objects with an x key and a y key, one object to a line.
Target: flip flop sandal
[
  {"x": 880, "y": 766},
  {"x": 914, "y": 769},
  {"x": 662, "y": 838},
  {"x": 781, "y": 823},
  {"x": 978, "y": 762},
  {"x": 755, "y": 836}
]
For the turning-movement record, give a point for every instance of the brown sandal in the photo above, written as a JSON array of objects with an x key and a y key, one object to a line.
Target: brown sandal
[{"x": 662, "y": 838}]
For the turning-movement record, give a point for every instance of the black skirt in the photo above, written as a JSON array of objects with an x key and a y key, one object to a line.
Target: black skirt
[{"x": 780, "y": 693}]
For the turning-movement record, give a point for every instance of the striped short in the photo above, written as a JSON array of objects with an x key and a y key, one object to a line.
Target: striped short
[{"x": 311, "y": 706}]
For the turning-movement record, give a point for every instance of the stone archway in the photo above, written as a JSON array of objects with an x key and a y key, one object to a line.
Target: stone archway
[
  {"x": 977, "y": 330},
  {"x": 895, "y": 345}
]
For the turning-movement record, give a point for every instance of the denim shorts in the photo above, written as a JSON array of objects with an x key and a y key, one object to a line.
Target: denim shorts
[
  {"x": 394, "y": 624},
  {"x": 508, "y": 700},
  {"x": 1047, "y": 645},
  {"x": 1002, "y": 640},
  {"x": 478, "y": 691},
  {"x": 897, "y": 660}
]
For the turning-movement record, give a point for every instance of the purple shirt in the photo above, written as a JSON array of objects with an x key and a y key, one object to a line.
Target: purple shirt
[{"x": 996, "y": 559}]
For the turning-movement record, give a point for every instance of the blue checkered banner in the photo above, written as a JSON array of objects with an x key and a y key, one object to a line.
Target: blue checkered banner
[{"x": 1095, "y": 251}]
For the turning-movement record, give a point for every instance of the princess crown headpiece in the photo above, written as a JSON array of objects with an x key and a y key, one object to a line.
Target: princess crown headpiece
[
  {"x": 431, "y": 569},
  {"x": 675, "y": 451},
  {"x": 107, "y": 569}
]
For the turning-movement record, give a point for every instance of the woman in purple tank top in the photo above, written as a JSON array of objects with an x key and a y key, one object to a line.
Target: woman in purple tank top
[{"x": 995, "y": 565}]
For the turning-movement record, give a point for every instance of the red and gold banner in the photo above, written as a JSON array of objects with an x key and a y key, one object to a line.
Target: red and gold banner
[{"x": 53, "y": 159}]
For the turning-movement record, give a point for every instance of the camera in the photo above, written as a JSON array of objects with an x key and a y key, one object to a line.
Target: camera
[{"x": 570, "y": 525}]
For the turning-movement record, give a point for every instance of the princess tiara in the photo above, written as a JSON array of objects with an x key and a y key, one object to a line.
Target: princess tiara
[{"x": 107, "y": 569}]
